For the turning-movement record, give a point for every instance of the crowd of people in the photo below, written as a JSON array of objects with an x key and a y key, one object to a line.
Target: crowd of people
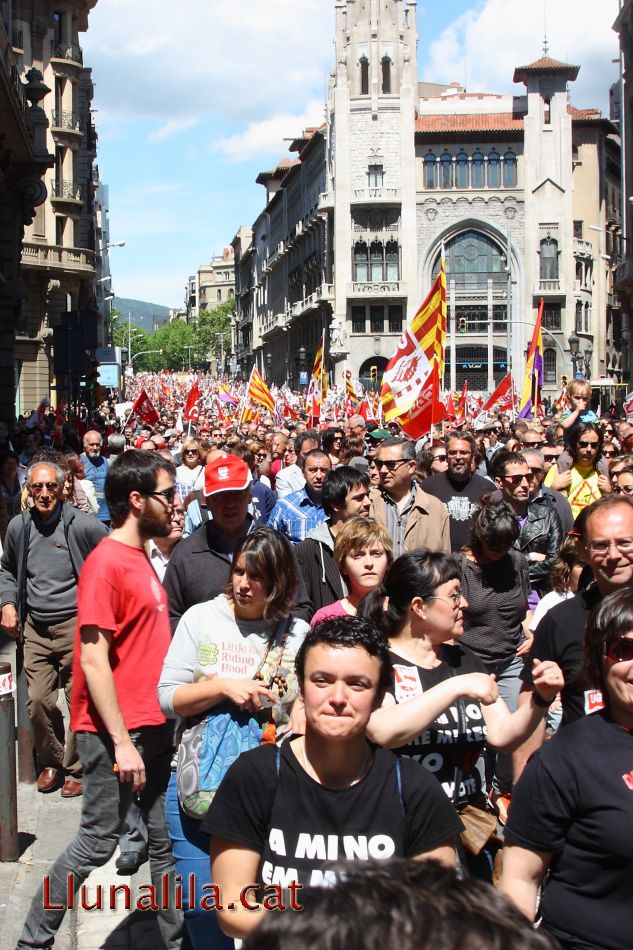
[{"x": 295, "y": 654}]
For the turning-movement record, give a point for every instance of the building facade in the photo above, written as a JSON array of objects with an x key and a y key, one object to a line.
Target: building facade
[
  {"x": 212, "y": 284},
  {"x": 519, "y": 192},
  {"x": 624, "y": 274}
]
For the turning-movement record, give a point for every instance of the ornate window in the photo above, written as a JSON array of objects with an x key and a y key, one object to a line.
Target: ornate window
[
  {"x": 471, "y": 260},
  {"x": 392, "y": 257},
  {"x": 375, "y": 176},
  {"x": 549, "y": 259},
  {"x": 461, "y": 169},
  {"x": 361, "y": 258},
  {"x": 446, "y": 170},
  {"x": 509, "y": 169},
  {"x": 550, "y": 373},
  {"x": 430, "y": 171},
  {"x": 477, "y": 170},
  {"x": 552, "y": 316},
  {"x": 377, "y": 257},
  {"x": 494, "y": 169}
]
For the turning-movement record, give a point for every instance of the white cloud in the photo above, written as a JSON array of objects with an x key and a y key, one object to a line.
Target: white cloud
[
  {"x": 490, "y": 40},
  {"x": 266, "y": 138},
  {"x": 173, "y": 127}
]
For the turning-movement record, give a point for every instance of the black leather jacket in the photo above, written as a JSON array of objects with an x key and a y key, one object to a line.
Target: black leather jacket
[{"x": 541, "y": 533}]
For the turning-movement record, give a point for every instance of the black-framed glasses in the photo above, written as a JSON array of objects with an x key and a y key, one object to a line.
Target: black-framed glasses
[
  {"x": 623, "y": 489},
  {"x": 535, "y": 470},
  {"x": 620, "y": 650},
  {"x": 588, "y": 445},
  {"x": 609, "y": 453},
  {"x": 167, "y": 493},
  {"x": 390, "y": 464},
  {"x": 38, "y": 487}
]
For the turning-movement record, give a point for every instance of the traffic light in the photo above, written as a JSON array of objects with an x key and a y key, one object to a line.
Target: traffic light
[
  {"x": 92, "y": 376},
  {"x": 461, "y": 326},
  {"x": 373, "y": 374}
]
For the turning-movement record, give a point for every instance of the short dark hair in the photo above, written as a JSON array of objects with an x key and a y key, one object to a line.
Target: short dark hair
[
  {"x": 610, "y": 619},
  {"x": 132, "y": 471},
  {"x": 311, "y": 454},
  {"x": 415, "y": 574},
  {"x": 310, "y": 435},
  {"x": 337, "y": 484},
  {"x": 348, "y": 632},
  {"x": 461, "y": 437},
  {"x": 501, "y": 460},
  {"x": 495, "y": 525},
  {"x": 268, "y": 553},
  {"x": 411, "y": 905}
]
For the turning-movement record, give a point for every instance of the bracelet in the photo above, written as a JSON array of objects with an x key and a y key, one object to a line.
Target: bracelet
[{"x": 538, "y": 700}]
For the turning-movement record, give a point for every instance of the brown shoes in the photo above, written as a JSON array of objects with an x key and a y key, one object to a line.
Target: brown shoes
[
  {"x": 71, "y": 788},
  {"x": 48, "y": 780}
]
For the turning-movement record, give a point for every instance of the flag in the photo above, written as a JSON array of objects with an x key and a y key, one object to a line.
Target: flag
[
  {"x": 144, "y": 409},
  {"x": 427, "y": 408},
  {"x": 288, "y": 411},
  {"x": 463, "y": 401},
  {"x": 225, "y": 396},
  {"x": 503, "y": 390},
  {"x": 533, "y": 381},
  {"x": 422, "y": 342},
  {"x": 259, "y": 392},
  {"x": 449, "y": 403},
  {"x": 192, "y": 408},
  {"x": 317, "y": 386},
  {"x": 350, "y": 392}
]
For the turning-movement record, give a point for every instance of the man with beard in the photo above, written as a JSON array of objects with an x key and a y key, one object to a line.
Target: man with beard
[
  {"x": 96, "y": 470},
  {"x": 123, "y": 739},
  {"x": 459, "y": 487}
]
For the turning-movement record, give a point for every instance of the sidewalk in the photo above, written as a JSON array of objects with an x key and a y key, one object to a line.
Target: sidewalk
[{"x": 46, "y": 824}]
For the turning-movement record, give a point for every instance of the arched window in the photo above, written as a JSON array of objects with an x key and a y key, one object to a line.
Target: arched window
[
  {"x": 361, "y": 268},
  {"x": 446, "y": 170},
  {"x": 430, "y": 171},
  {"x": 461, "y": 169},
  {"x": 386, "y": 76},
  {"x": 509, "y": 169},
  {"x": 472, "y": 259},
  {"x": 547, "y": 112},
  {"x": 549, "y": 259},
  {"x": 364, "y": 76},
  {"x": 477, "y": 170},
  {"x": 376, "y": 256},
  {"x": 392, "y": 256},
  {"x": 494, "y": 169},
  {"x": 550, "y": 373}
]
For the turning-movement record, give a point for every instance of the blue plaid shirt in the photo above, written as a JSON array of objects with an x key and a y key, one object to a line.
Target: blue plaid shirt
[{"x": 296, "y": 515}]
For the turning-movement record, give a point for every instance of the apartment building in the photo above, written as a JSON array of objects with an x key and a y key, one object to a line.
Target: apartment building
[{"x": 212, "y": 284}]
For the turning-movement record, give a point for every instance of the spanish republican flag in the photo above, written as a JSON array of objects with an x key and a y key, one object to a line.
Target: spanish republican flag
[
  {"x": 421, "y": 345},
  {"x": 533, "y": 380},
  {"x": 259, "y": 392}
]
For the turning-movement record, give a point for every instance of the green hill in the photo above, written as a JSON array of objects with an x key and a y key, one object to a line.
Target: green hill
[{"x": 144, "y": 315}]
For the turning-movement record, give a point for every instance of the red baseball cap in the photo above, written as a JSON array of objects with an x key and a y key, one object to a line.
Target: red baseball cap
[{"x": 226, "y": 473}]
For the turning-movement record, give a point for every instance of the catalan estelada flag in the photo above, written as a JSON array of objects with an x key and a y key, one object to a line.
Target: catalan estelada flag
[
  {"x": 259, "y": 392},
  {"x": 533, "y": 381},
  {"x": 421, "y": 345}
]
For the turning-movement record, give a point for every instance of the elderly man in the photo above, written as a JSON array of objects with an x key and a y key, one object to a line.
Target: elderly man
[
  {"x": 291, "y": 478},
  {"x": 96, "y": 470},
  {"x": 459, "y": 487},
  {"x": 44, "y": 551},
  {"x": 298, "y": 513},
  {"x": 413, "y": 518}
]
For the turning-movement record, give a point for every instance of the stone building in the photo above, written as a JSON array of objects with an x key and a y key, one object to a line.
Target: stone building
[
  {"x": 212, "y": 284},
  {"x": 517, "y": 190},
  {"x": 61, "y": 256},
  {"x": 623, "y": 248}
]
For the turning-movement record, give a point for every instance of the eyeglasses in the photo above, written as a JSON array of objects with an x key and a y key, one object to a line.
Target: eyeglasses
[
  {"x": 454, "y": 453},
  {"x": 534, "y": 445},
  {"x": 536, "y": 471},
  {"x": 390, "y": 464},
  {"x": 550, "y": 458},
  {"x": 623, "y": 489},
  {"x": 624, "y": 545},
  {"x": 609, "y": 453},
  {"x": 515, "y": 479},
  {"x": 620, "y": 650},
  {"x": 178, "y": 514},
  {"x": 587, "y": 445},
  {"x": 167, "y": 493},
  {"x": 190, "y": 452},
  {"x": 38, "y": 487},
  {"x": 439, "y": 458},
  {"x": 456, "y": 596}
]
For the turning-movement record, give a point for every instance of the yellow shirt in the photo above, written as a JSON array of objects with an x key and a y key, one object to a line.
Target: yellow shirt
[{"x": 583, "y": 489}]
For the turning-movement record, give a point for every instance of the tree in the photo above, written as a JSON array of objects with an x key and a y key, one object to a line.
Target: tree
[{"x": 213, "y": 332}]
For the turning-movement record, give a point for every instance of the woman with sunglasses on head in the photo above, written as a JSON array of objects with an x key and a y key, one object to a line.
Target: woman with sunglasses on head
[
  {"x": 572, "y": 810},
  {"x": 443, "y": 706}
]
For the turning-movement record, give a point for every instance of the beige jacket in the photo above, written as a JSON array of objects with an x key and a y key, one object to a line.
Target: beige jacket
[{"x": 427, "y": 523}]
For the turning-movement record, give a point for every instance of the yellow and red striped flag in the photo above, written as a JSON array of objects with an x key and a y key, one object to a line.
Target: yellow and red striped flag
[
  {"x": 421, "y": 345},
  {"x": 317, "y": 388},
  {"x": 259, "y": 392}
]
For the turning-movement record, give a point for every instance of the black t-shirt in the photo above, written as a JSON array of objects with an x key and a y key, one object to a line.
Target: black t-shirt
[
  {"x": 461, "y": 501},
  {"x": 444, "y": 745},
  {"x": 575, "y": 800},
  {"x": 300, "y": 827},
  {"x": 560, "y": 637}
]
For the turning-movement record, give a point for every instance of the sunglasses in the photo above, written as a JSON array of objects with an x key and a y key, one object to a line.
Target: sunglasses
[
  {"x": 439, "y": 458},
  {"x": 536, "y": 471},
  {"x": 390, "y": 464},
  {"x": 620, "y": 650},
  {"x": 515, "y": 479},
  {"x": 587, "y": 445},
  {"x": 38, "y": 487},
  {"x": 609, "y": 453},
  {"x": 167, "y": 493}
]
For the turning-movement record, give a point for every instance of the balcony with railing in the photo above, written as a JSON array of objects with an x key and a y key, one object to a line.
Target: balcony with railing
[
  {"x": 382, "y": 288},
  {"x": 68, "y": 53},
  {"x": 550, "y": 286},
  {"x": 582, "y": 248},
  {"x": 376, "y": 195},
  {"x": 55, "y": 257},
  {"x": 17, "y": 39},
  {"x": 68, "y": 191},
  {"x": 61, "y": 120},
  {"x": 11, "y": 71}
]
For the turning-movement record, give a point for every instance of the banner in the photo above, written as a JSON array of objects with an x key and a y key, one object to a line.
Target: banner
[
  {"x": 259, "y": 392},
  {"x": 144, "y": 409},
  {"x": 530, "y": 394},
  {"x": 192, "y": 408}
]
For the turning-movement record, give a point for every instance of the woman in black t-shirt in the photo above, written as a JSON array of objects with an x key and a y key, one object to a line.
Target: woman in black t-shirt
[
  {"x": 572, "y": 809},
  {"x": 282, "y": 816},
  {"x": 442, "y": 706}
]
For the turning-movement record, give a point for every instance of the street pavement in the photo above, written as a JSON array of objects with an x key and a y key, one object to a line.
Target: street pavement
[{"x": 46, "y": 823}]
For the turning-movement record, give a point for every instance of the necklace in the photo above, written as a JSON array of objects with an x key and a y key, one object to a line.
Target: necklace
[{"x": 311, "y": 769}]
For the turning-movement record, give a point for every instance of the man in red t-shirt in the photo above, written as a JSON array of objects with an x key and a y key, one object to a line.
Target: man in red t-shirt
[{"x": 124, "y": 741}]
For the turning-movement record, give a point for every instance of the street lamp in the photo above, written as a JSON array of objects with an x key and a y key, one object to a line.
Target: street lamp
[
  {"x": 574, "y": 346},
  {"x": 269, "y": 366},
  {"x": 588, "y": 354},
  {"x": 302, "y": 361}
]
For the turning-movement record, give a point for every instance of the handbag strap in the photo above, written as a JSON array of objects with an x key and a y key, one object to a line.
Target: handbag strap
[
  {"x": 461, "y": 723},
  {"x": 270, "y": 646}
]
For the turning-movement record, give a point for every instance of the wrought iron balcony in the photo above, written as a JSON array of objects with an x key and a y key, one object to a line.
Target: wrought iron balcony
[
  {"x": 61, "y": 119},
  {"x": 69, "y": 51},
  {"x": 11, "y": 69},
  {"x": 66, "y": 191}
]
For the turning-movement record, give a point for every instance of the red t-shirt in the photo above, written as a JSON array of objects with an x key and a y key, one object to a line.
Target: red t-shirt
[{"x": 119, "y": 591}]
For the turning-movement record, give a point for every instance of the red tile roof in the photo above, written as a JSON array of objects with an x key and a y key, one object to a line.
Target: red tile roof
[
  {"x": 545, "y": 65},
  {"x": 485, "y": 122}
]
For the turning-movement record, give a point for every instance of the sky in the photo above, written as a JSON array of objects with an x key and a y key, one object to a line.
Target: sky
[{"x": 193, "y": 100}]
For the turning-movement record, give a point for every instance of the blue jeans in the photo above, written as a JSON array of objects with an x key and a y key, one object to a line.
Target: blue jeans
[
  {"x": 508, "y": 674},
  {"x": 190, "y": 848},
  {"x": 104, "y": 805}
]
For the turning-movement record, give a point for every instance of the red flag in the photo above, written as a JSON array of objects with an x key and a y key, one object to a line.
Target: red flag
[
  {"x": 288, "y": 412},
  {"x": 500, "y": 393},
  {"x": 192, "y": 409},
  {"x": 450, "y": 407},
  {"x": 144, "y": 409},
  {"x": 426, "y": 410},
  {"x": 315, "y": 410}
]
